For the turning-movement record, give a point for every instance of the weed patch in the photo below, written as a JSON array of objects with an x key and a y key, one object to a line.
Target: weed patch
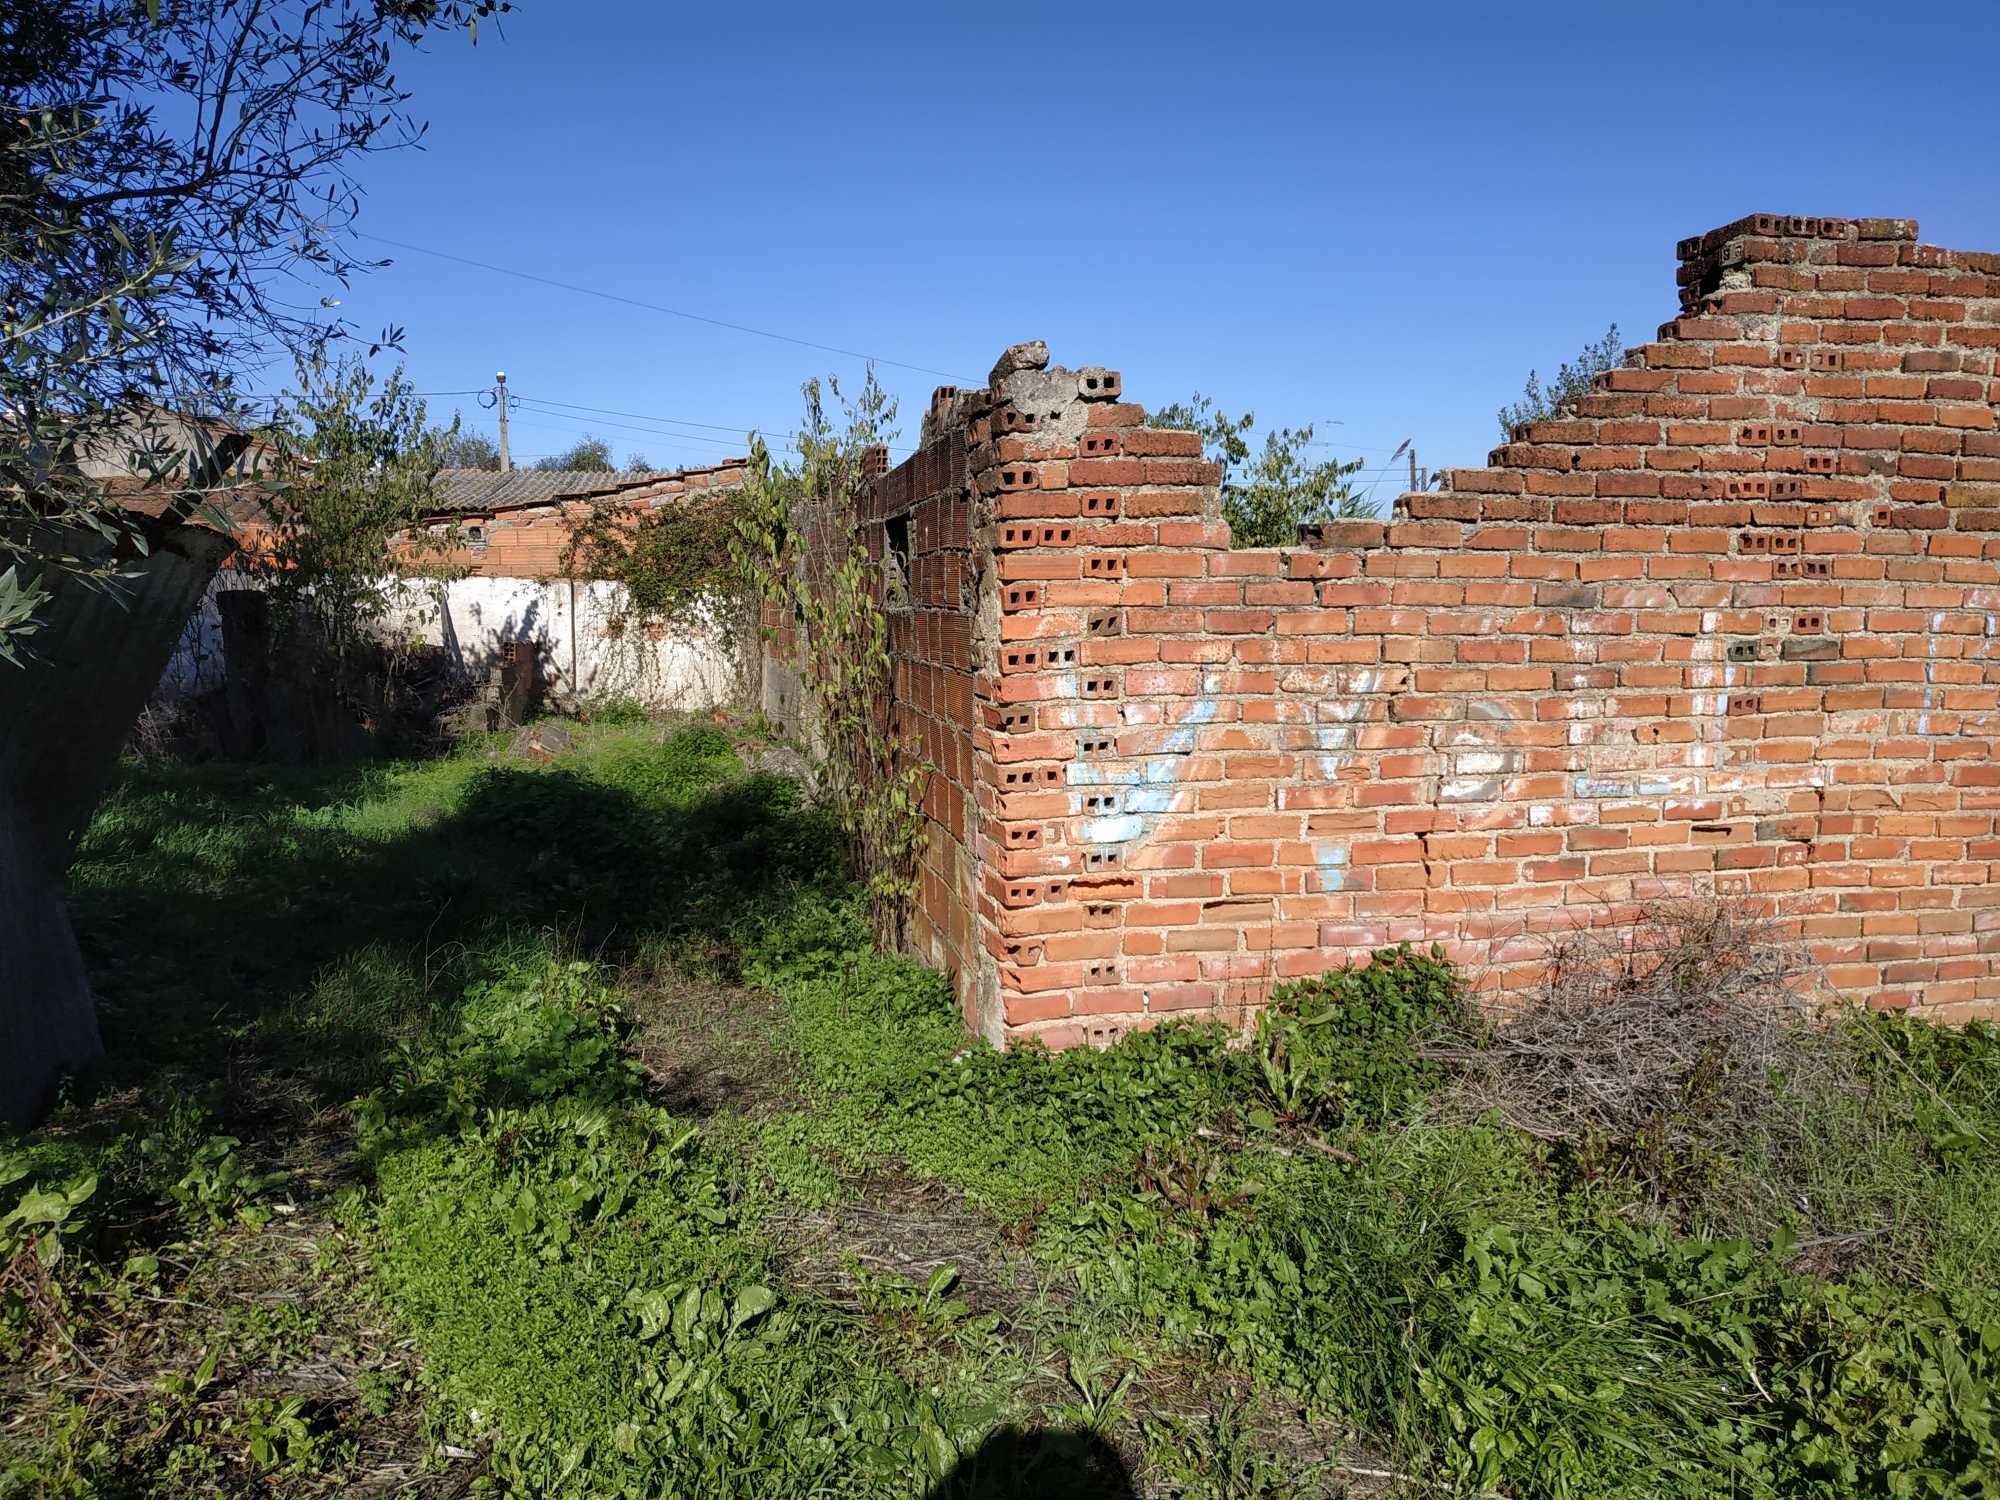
[
  {"x": 561, "y": 1130},
  {"x": 647, "y": 1347}
]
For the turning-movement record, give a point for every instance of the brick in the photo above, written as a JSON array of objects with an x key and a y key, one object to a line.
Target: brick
[{"x": 1725, "y": 620}]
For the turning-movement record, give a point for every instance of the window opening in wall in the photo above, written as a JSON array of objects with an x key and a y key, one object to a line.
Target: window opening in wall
[
  {"x": 896, "y": 562},
  {"x": 475, "y": 538}
]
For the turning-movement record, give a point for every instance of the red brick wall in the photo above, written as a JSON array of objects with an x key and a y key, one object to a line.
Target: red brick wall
[
  {"x": 931, "y": 619},
  {"x": 528, "y": 541},
  {"x": 1735, "y": 623},
  {"x": 931, "y": 626}
]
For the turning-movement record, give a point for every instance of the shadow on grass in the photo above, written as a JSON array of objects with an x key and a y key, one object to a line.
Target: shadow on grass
[
  {"x": 263, "y": 939},
  {"x": 1038, "y": 1463}
]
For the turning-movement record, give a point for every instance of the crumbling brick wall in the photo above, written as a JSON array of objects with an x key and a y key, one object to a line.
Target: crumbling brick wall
[
  {"x": 917, "y": 523},
  {"x": 533, "y": 540},
  {"x": 1734, "y": 621}
]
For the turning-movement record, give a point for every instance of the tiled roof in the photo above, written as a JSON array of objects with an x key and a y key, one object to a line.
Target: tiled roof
[
  {"x": 488, "y": 489},
  {"x": 240, "y": 505}
]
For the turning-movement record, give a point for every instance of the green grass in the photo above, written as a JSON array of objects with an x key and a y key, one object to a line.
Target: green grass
[{"x": 558, "y": 1130}]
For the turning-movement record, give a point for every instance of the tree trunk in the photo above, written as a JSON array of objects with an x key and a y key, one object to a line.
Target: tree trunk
[{"x": 64, "y": 716}]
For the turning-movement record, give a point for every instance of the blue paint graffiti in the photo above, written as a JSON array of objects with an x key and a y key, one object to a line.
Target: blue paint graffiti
[
  {"x": 1930, "y": 674},
  {"x": 1148, "y": 789}
]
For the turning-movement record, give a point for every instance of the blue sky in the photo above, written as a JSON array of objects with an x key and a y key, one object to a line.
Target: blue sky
[{"x": 1380, "y": 217}]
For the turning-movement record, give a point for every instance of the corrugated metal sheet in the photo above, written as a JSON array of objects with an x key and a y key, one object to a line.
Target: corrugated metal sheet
[{"x": 486, "y": 490}]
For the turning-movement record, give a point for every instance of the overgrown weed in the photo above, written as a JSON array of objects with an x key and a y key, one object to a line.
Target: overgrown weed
[{"x": 596, "y": 1269}]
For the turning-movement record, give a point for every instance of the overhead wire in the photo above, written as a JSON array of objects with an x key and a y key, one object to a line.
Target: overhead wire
[
  {"x": 577, "y": 425},
  {"x": 705, "y": 459},
  {"x": 672, "y": 312},
  {"x": 1380, "y": 474},
  {"x": 676, "y": 312},
  {"x": 603, "y": 418}
]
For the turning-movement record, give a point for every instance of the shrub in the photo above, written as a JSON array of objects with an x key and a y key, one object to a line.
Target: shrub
[
  {"x": 623, "y": 711},
  {"x": 1647, "y": 1048},
  {"x": 1349, "y": 1046},
  {"x": 1882, "y": 1394}
]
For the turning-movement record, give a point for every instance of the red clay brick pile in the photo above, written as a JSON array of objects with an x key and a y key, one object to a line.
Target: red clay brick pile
[{"x": 1732, "y": 623}]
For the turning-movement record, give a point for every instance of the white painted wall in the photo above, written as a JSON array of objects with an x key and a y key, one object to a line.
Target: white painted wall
[
  {"x": 582, "y": 655},
  {"x": 196, "y": 665}
]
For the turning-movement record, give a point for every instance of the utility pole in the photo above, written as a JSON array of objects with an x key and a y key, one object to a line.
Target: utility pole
[{"x": 500, "y": 399}]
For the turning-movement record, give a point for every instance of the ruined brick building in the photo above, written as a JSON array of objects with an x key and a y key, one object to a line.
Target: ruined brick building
[{"x": 1734, "y": 620}]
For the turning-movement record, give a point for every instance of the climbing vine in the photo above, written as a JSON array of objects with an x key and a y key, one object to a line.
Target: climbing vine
[
  {"x": 798, "y": 546},
  {"x": 674, "y": 561},
  {"x": 675, "y": 574}
]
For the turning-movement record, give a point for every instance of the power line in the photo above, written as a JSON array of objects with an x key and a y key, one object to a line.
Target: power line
[
  {"x": 1355, "y": 447},
  {"x": 601, "y": 416},
  {"x": 577, "y": 426},
  {"x": 1380, "y": 474},
  {"x": 704, "y": 458},
  {"x": 640, "y": 416},
  {"x": 672, "y": 312}
]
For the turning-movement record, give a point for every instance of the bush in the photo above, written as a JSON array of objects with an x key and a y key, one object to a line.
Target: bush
[
  {"x": 1349, "y": 1046},
  {"x": 1647, "y": 1049},
  {"x": 622, "y": 711}
]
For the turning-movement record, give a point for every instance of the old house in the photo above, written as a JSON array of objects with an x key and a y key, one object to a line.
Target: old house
[
  {"x": 513, "y": 542},
  {"x": 503, "y": 580}
]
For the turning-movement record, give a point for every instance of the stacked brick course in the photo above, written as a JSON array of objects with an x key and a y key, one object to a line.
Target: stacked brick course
[
  {"x": 1733, "y": 621},
  {"x": 529, "y": 540},
  {"x": 918, "y": 522}
]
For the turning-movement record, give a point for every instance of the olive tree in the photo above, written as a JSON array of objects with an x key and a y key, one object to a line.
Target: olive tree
[
  {"x": 177, "y": 184},
  {"x": 177, "y": 178}
]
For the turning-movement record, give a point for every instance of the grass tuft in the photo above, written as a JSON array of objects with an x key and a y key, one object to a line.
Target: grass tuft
[{"x": 559, "y": 1130}]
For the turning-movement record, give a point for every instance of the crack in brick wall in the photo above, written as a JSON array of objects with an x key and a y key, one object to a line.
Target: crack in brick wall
[{"x": 1732, "y": 621}]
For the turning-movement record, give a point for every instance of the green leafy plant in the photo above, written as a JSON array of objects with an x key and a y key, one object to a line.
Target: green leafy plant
[
  {"x": 798, "y": 545},
  {"x": 351, "y": 473},
  {"x": 1347, "y": 1045},
  {"x": 199, "y": 1170},
  {"x": 34, "y": 1235},
  {"x": 215, "y": 1184},
  {"x": 1097, "y": 1385},
  {"x": 1540, "y": 403},
  {"x": 623, "y": 709},
  {"x": 672, "y": 561},
  {"x": 276, "y": 1434},
  {"x": 924, "y": 1313},
  {"x": 1266, "y": 499}
]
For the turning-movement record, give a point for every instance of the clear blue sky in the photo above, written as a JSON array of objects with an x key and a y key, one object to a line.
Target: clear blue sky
[{"x": 1382, "y": 215}]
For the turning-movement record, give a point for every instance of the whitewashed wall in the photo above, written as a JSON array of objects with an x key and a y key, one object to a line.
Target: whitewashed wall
[
  {"x": 582, "y": 655},
  {"x": 196, "y": 665}
]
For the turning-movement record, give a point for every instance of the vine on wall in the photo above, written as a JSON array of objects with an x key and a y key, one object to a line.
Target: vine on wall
[
  {"x": 675, "y": 570},
  {"x": 798, "y": 545},
  {"x": 674, "y": 561}
]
